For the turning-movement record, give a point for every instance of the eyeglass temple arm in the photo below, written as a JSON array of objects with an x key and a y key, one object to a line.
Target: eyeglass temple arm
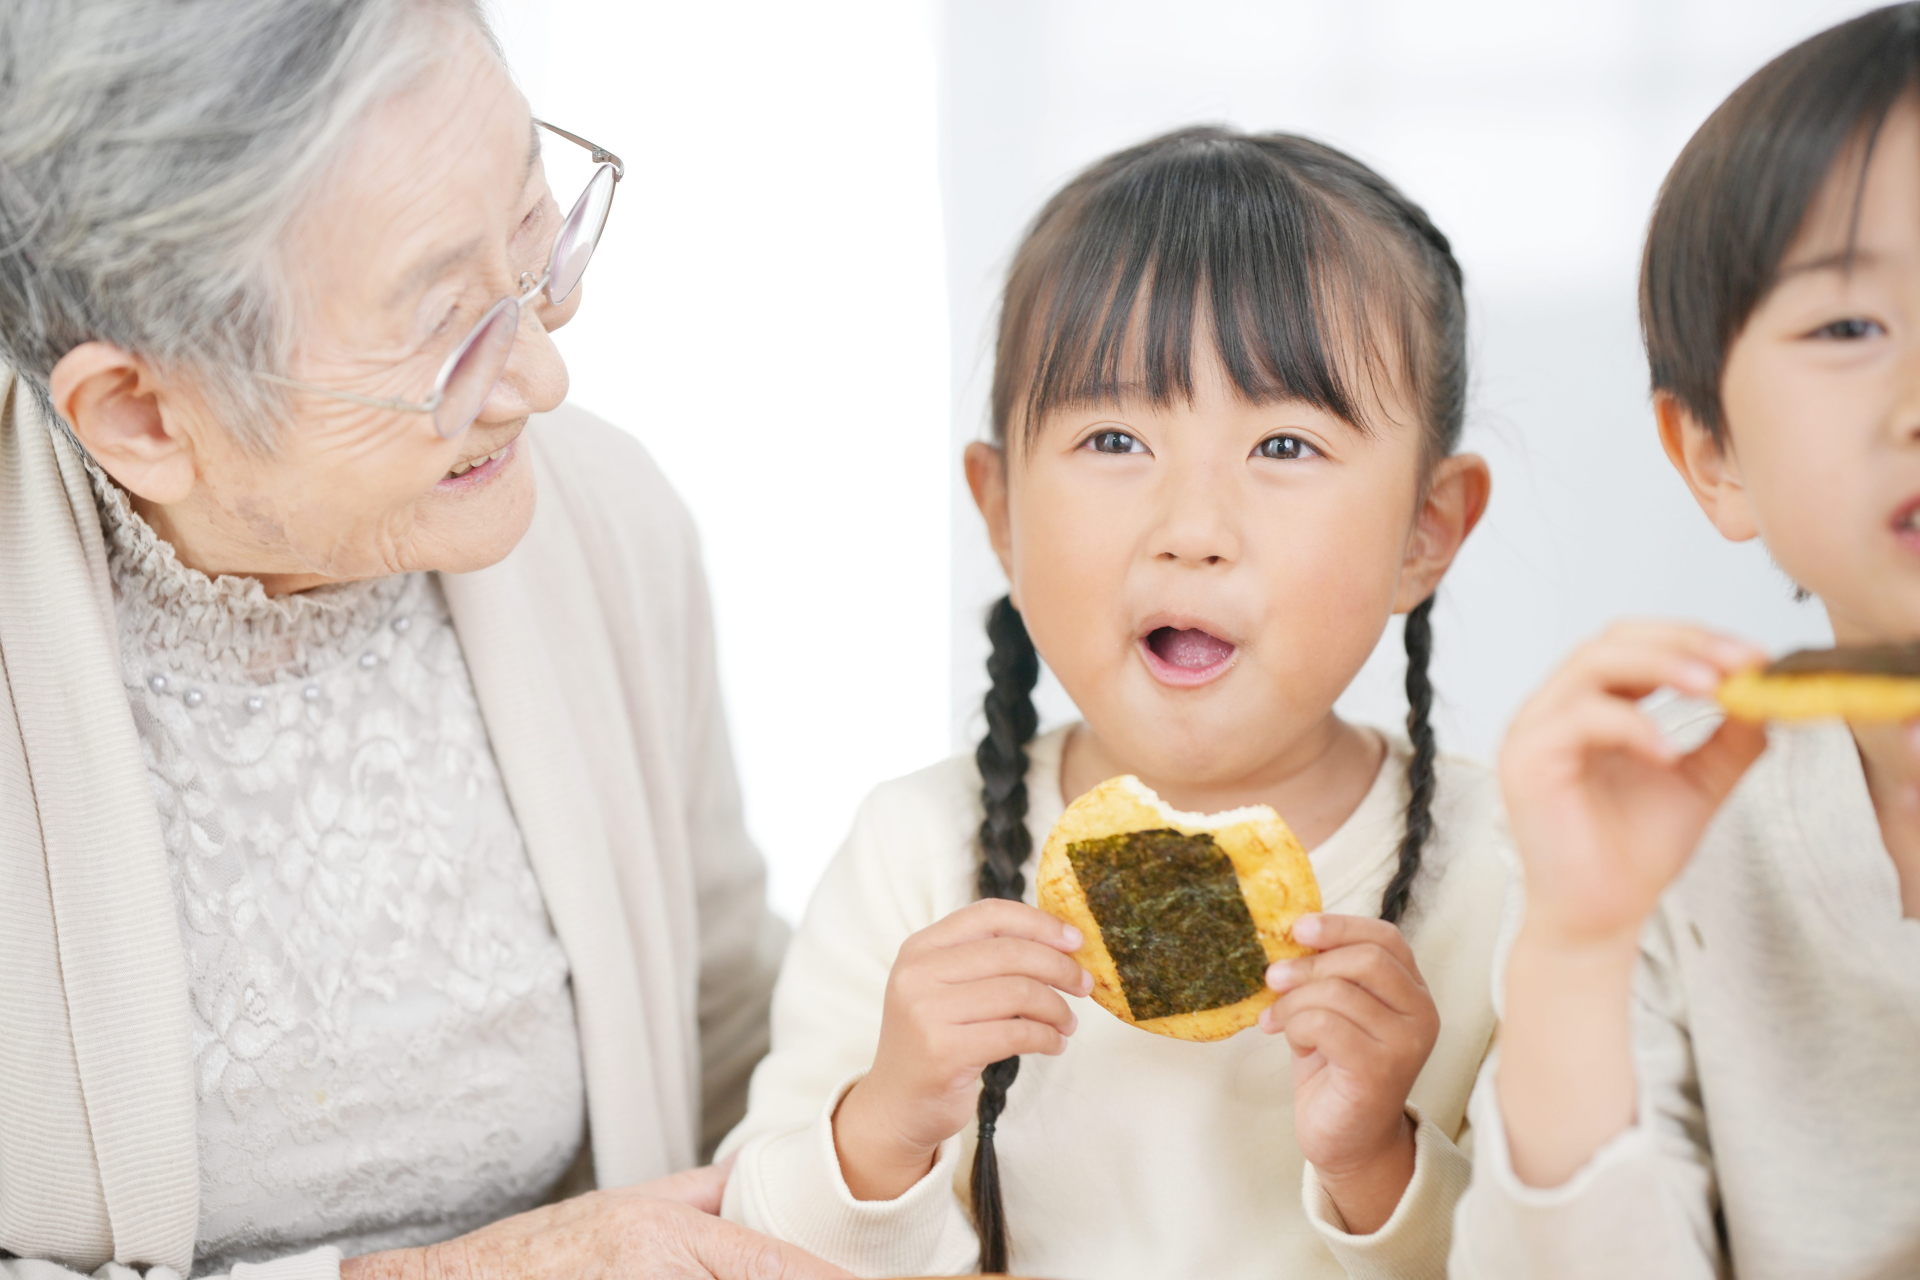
[{"x": 600, "y": 154}]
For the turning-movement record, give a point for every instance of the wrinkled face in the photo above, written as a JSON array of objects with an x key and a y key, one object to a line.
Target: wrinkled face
[
  {"x": 1206, "y": 578},
  {"x": 1822, "y": 400},
  {"x": 438, "y": 206}
]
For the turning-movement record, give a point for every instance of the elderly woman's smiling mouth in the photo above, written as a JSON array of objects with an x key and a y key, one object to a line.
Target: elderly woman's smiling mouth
[{"x": 472, "y": 472}]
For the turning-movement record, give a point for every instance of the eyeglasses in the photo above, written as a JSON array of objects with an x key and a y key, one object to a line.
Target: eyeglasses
[{"x": 470, "y": 373}]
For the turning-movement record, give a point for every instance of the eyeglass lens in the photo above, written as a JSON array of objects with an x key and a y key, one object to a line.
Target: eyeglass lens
[
  {"x": 579, "y": 234},
  {"x": 476, "y": 367},
  {"x": 482, "y": 358}
]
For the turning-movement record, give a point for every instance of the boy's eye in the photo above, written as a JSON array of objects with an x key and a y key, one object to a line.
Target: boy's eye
[
  {"x": 1852, "y": 329},
  {"x": 1112, "y": 441},
  {"x": 1284, "y": 448}
]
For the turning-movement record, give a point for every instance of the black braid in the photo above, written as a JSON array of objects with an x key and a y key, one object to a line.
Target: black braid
[
  {"x": 1419, "y": 639},
  {"x": 1004, "y": 846}
]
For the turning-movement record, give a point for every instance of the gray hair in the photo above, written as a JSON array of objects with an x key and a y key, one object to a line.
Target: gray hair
[{"x": 151, "y": 154}]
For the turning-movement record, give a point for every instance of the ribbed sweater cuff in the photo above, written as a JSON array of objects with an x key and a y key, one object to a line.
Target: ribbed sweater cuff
[
  {"x": 789, "y": 1186},
  {"x": 1412, "y": 1242}
]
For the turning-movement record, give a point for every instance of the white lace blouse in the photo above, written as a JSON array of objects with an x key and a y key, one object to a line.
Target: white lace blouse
[{"x": 383, "y": 1023}]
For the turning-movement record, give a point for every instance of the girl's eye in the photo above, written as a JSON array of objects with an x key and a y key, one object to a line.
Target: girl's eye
[
  {"x": 1852, "y": 329},
  {"x": 1284, "y": 448},
  {"x": 1111, "y": 441}
]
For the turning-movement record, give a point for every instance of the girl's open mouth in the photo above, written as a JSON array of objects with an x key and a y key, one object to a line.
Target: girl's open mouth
[{"x": 1185, "y": 657}]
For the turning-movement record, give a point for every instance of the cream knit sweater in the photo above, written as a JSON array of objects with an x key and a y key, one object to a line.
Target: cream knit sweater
[
  {"x": 1130, "y": 1155},
  {"x": 1777, "y": 1036},
  {"x": 591, "y": 656}
]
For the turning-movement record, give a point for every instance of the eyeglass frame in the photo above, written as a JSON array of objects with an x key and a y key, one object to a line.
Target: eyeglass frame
[{"x": 604, "y": 159}]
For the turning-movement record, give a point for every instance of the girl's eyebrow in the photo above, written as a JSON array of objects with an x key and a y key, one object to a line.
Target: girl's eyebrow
[{"x": 1843, "y": 261}]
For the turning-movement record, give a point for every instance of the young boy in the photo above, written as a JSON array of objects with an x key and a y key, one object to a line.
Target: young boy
[{"x": 1710, "y": 1057}]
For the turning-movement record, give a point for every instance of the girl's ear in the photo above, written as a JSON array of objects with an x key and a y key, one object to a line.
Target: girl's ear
[
  {"x": 112, "y": 402},
  {"x": 987, "y": 478},
  {"x": 1708, "y": 466},
  {"x": 1456, "y": 499}
]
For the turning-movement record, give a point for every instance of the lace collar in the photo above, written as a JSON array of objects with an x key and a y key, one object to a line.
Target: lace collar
[{"x": 227, "y": 629}]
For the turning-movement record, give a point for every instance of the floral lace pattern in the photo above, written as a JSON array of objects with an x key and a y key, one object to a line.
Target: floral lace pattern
[{"x": 383, "y": 1024}]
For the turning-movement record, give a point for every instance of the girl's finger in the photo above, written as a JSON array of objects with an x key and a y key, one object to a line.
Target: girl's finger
[
  {"x": 992, "y": 1041},
  {"x": 996, "y": 999},
  {"x": 1001, "y": 957},
  {"x": 998, "y": 918},
  {"x": 1327, "y": 931},
  {"x": 1334, "y": 1038},
  {"x": 1381, "y": 1024},
  {"x": 1371, "y": 968}
]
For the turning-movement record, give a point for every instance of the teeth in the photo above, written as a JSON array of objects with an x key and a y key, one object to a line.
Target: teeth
[{"x": 465, "y": 467}]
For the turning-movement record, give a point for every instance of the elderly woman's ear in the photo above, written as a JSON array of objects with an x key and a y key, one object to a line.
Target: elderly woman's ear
[{"x": 123, "y": 413}]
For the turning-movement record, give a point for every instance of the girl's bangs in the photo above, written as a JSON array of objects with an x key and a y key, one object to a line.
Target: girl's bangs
[{"x": 1216, "y": 242}]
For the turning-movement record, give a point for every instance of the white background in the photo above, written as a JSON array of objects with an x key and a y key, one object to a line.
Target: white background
[{"x": 793, "y": 302}]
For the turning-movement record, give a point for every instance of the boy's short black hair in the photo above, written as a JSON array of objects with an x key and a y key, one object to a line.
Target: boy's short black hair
[{"x": 1735, "y": 199}]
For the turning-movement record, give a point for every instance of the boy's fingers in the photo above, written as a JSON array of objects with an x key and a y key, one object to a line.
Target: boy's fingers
[
  {"x": 998, "y": 918},
  {"x": 1715, "y": 647},
  {"x": 1637, "y": 668},
  {"x": 1719, "y": 762},
  {"x": 1603, "y": 724}
]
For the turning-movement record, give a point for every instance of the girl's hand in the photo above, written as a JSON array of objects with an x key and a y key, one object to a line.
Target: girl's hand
[
  {"x": 1605, "y": 813},
  {"x": 981, "y": 985},
  {"x": 1361, "y": 1023}
]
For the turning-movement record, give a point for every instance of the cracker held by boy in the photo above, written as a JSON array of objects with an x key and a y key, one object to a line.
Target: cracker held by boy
[
  {"x": 1181, "y": 912},
  {"x": 1861, "y": 683}
]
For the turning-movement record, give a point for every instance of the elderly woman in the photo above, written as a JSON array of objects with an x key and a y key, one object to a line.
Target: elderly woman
[{"x": 372, "y": 875}]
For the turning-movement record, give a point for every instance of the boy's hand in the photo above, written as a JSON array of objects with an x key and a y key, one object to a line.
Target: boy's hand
[
  {"x": 981, "y": 985},
  {"x": 1605, "y": 813},
  {"x": 1361, "y": 1023}
]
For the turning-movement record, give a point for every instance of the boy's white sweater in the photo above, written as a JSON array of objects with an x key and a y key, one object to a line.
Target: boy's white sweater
[
  {"x": 1131, "y": 1155},
  {"x": 1777, "y": 1036}
]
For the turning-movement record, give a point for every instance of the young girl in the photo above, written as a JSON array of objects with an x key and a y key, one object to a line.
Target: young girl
[
  {"x": 1230, "y": 380},
  {"x": 1711, "y": 1059}
]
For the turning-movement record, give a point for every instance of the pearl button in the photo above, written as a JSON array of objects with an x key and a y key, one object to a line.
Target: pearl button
[
  {"x": 402, "y": 625},
  {"x": 369, "y": 660},
  {"x": 157, "y": 683},
  {"x": 194, "y": 698},
  {"x": 256, "y": 703},
  {"x": 311, "y": 693}
]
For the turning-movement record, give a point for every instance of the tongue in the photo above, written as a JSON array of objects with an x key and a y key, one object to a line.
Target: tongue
[{"x": 1191, "y": 650}]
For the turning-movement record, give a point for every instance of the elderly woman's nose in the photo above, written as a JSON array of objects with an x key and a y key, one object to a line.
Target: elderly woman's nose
[{"x": 535, "y": 379}]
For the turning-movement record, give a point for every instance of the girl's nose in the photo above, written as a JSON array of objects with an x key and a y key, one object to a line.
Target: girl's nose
[{"x": 1200, "y": 523}]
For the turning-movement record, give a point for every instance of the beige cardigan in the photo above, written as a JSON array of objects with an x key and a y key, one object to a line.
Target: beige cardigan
[{"x": 591, "y": 651}]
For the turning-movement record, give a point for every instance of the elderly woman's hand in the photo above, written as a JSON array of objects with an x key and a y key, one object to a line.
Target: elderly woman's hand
[{"x": 664, "y": 1230}]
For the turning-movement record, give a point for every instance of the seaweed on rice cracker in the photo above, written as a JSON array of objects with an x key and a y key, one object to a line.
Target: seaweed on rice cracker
[{"x": 1181, "y": 912}]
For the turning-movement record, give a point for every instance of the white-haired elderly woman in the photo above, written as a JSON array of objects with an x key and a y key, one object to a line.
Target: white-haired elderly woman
[{"x": 372, "y": 876}]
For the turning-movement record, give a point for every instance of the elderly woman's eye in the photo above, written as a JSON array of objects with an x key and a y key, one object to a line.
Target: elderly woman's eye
[
  {"x": 1109, "y": 440},
  {"x": 1851, "y": 329},
  {"x": 1285, "y": 448}
]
